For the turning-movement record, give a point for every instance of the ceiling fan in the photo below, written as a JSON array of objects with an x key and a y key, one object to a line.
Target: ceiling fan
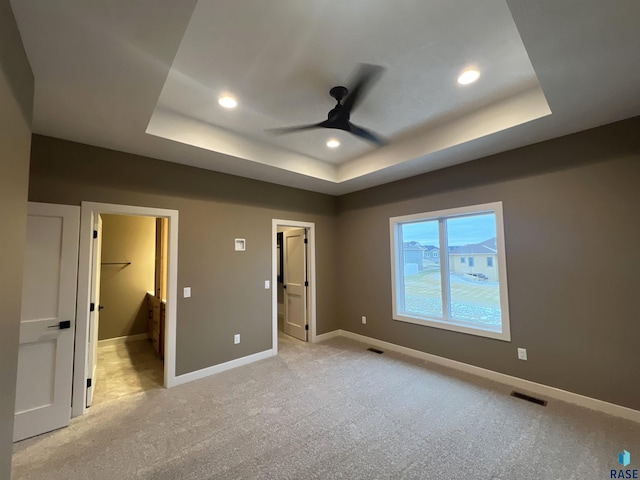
[{"x": 339, "y": 116}]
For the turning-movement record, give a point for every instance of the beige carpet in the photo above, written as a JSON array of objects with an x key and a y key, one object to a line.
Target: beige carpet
[{"x": 331, "y": 411}]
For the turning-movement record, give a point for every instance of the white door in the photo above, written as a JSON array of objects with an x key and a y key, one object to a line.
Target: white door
[
  {"x": 295, "y": 283},
  {"x": 94, "y": 313},
  {"x": 47, "y": 323}
]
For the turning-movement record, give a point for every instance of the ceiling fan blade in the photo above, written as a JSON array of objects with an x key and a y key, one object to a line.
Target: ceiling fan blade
[
  {"x": 364, "y": 79},
  {"x": 297, "y": 128},
  {"x": 367, "y": 135}
]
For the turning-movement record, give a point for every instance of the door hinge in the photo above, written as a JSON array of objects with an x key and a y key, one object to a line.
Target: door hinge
[
  {"x": 306, "y": 327},
  {"x": 88, "y": 382},
  {"x": 305, "y": 241},
  {"x": 92, "y": 307},
  {"x": 95, "y": 234},
  {"x": 306, "y": 284}
]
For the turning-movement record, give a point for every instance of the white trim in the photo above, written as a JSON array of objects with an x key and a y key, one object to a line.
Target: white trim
[
  {"x": 397, "y": 275},
  {"x": 311, "y": 229},
  {"x": 88, "y": 211},
  {"x": 329, "y": 335},
  {"x": 531, "y": 387},
  {"x": 449, "y": 212},
  {"x": 221, "y": 367},
  {"x": 125, "y": 339}
]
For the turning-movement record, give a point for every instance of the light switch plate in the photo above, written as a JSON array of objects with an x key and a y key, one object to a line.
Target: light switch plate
[
  {"x": 267, "y": 284},
  {"x": 236, "y": 338},
  {"x": 187, "y": 292},
  {"x": 522, "y": 354},
  {"x": 241, "y": 244}
]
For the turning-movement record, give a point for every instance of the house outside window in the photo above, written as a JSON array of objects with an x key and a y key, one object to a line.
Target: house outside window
[{"x": 462, "y": 295}]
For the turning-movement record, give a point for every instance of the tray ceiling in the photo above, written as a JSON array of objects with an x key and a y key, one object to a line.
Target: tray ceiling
[{"x": 144, "y": 77}]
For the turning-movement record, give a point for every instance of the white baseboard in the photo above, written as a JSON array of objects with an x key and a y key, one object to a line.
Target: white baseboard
[
  {"x": 126, "y": 339},
  {"x": 326, "y": 336},
  {"x": 529, "y": 386},
  {"x": 207, "y": 372}
]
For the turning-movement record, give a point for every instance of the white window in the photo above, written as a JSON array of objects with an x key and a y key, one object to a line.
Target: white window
[{"x": 442, "y": 295}]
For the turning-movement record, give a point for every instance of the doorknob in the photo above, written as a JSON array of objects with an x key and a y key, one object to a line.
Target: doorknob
[
  {"x": 284, "y": 286},
  {"x": 62, "y": 325},
  {"x": 100, "y": 307}
]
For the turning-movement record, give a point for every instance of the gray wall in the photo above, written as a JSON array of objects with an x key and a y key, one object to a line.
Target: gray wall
[
  {"x": 123, "y": 288},
  {"x": 572, "y": 228},
  {"x": 228, "y": 294},
  {"x": 16, "y": 100}
]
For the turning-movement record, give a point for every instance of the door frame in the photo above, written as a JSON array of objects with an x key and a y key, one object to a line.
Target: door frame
[
  {"x": 311, "y": 230},
  {"x": 89, "y": 210}
]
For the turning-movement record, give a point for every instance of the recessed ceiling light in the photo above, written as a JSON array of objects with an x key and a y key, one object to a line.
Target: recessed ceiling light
[
  {"x": 333, "y": 143},
  {"x": 470, "y": 75},
  {"x": 227, "y": 101}
]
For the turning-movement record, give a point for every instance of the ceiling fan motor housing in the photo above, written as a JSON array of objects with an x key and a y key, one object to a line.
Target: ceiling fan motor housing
[{"x": 339, "y": 92}]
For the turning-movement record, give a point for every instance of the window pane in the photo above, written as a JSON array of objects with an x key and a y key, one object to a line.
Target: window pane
[
  {"x": 474, "y": 285},
  {"x": 421, "y": 267}
]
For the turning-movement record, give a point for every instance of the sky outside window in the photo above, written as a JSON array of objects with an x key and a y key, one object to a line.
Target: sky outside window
[{"x": 464, "y": 230}]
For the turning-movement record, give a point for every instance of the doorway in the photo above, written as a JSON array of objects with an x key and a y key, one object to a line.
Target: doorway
[
  {"x": 294, "y": 280},
  {"x": 128, "y": 308},
  {"x": 88, "y": 324}
]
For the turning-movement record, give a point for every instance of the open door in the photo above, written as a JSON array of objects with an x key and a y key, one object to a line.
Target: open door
[
  {"x": 295, "y": 283},
  {"x": 47, "y": 323},
  {"x": 94, "y": 308}
]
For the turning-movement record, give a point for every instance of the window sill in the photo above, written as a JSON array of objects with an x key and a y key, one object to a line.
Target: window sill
[{"x": 504, "y": 336}]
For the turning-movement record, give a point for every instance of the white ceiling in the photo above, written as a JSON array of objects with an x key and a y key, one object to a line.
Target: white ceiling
[{"x": 144, "y": 77}]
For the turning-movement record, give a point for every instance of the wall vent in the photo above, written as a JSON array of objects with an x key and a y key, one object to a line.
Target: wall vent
[
  {"x": 374, "y": 350},
  {"x": 529, "y": 398}
]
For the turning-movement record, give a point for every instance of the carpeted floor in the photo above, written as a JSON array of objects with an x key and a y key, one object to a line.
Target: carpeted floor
[{"x": 331, "y": 411}]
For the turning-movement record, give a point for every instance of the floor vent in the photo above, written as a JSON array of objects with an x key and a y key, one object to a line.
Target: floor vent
[
  {"x": 374, "y": 350},
  {"x": 529, "y": 398}
]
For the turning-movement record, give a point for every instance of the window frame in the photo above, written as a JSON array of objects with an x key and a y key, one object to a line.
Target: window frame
[{"x": 397, "y": 277}]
